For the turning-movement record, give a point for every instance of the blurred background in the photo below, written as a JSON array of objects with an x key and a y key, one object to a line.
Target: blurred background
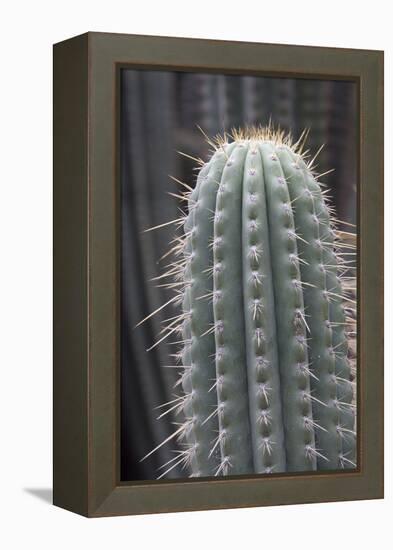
[{"x": 160, "y": 112}]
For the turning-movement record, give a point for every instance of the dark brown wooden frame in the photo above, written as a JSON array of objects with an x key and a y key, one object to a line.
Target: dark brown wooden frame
[{"x": 86, "y": 274}]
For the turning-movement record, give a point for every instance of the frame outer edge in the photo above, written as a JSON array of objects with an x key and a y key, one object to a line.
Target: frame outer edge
[
  {"x": 70, "y": 272},
  {"x": 95, "y": 489},
  {"x": 372, "y": 281}
]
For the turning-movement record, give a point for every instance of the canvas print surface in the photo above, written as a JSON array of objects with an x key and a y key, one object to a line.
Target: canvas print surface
[{"x": 238, "y": 275}]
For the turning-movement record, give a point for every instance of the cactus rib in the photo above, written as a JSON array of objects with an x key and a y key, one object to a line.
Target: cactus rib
[
  {"x": 232, "y": 411},
  {"x": 260, "y": 328}
]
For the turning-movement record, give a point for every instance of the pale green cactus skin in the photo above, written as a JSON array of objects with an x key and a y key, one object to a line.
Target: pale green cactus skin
[{"x": 266, "y": 378}]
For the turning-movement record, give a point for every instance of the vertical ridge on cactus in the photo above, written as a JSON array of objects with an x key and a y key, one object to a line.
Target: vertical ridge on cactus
[
  {"x": 259, "y": 310},
  {"x": 266, "y": 380}
]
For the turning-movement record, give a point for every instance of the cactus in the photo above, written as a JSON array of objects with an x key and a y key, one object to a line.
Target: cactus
[{"x": 259, "y": 272}]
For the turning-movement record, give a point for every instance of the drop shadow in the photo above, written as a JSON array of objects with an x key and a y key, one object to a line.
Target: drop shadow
[{"x": 44, "y": 494}]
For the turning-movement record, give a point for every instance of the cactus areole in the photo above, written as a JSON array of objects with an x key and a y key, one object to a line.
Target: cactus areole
[{"x": 265, "y": 379}]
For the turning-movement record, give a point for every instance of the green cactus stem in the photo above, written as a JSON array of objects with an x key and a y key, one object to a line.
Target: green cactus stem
[{"x": 266, "y": 379}]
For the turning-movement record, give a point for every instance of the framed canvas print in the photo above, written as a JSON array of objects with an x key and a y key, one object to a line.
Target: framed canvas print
[{"x": 218, "y": 215}]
